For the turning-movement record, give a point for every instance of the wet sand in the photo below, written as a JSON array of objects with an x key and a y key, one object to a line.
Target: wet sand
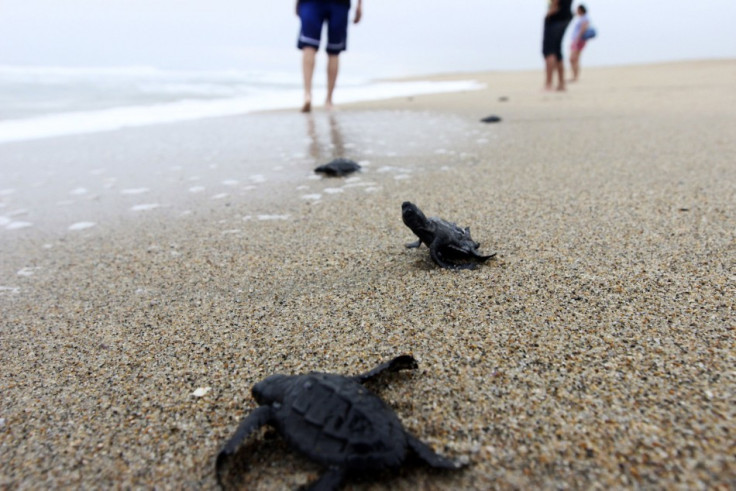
[
  {"x": 597, "y": 351},
  {"x": 99, "y": 180}
]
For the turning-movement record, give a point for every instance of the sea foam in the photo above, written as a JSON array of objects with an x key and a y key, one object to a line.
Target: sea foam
[{"x": 177, "y": 96}]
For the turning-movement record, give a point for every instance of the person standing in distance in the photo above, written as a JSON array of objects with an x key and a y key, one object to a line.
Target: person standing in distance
[
  {"x": 313, "y": 14},
  {"x": 578, "y": 41},
  {"x": 559, "y": 15}
]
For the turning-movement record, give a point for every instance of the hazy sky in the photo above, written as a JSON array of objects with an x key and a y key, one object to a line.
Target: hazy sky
[{"x": 396, "y": 37}]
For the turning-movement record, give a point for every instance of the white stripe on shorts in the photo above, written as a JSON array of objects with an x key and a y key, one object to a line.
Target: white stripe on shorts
[{"x": 307, "y": 40}]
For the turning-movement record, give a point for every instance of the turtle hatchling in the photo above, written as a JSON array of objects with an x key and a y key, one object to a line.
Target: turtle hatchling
[
  {"x": 450, "y": 246},
  {"x": 338, "y": 168},
  {"x": 491, "y": 119},
  {"x": 335, "y": 421}
]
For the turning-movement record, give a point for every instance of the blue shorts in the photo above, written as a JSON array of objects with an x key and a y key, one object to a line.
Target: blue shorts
[{"x": 313, "y": 14}]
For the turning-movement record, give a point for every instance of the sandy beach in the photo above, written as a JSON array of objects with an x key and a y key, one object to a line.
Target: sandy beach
[{"x": 597, "y": 351}]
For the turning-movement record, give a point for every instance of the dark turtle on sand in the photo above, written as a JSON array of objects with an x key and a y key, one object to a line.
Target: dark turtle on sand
[
  {"x": 491, "y": 119},
  {"x": 338, "y": 168},
  {"x": 447, "y": 242},
  {"x": 335, "y": 421}
]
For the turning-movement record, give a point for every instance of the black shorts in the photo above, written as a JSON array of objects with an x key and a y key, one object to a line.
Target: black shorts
[{"x": 552, "y": 40}]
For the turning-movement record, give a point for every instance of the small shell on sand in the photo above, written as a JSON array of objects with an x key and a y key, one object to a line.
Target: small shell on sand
[{"x": 201, "y": 391}]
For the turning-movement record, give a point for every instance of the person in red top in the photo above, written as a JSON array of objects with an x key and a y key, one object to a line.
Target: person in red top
[
  {"x": 313, "y": 14},
  {"x": 559, "y": 15}
]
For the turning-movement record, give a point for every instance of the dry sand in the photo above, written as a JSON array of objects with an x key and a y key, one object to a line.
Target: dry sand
[{"x": 598, "y": 351}]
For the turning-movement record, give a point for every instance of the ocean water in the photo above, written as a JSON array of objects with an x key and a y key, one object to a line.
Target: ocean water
[{"x": 43, "y": 102}]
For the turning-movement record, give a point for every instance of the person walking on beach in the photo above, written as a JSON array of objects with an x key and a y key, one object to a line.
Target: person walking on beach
[
  {"x": 578, "y": 41},
  {"x": 559, "y": 15},
  {"x": 313, "y": 14}
]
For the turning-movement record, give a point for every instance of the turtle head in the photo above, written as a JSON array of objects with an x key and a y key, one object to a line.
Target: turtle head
[
  {"x": 412, "y": 216},
  {"x": 271, "y": 389}
]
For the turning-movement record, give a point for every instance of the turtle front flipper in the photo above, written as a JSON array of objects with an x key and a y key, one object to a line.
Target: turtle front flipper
[
  {"x": 403, "y": 362},
  {"x": 434, "y": 253},
  {"x": 259, "y": 417},
  {"x": 331, "y": 480},
  {"x": 429, "y": 456},
  {"x": 414, "y": 245}
]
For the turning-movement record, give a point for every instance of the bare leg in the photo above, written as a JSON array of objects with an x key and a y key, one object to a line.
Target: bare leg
[
  {"x": 308, "y": 56},
  {"x": 550, "y": 66},
  {"x": 560, "y": 76},
  {"x": 332, "y": 68},
  {"x": 575, "y": 65}
]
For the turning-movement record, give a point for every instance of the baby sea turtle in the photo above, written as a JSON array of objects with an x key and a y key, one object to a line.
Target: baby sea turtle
[
  {"x": 491, "y": 119},
  {"x": 447, "y": 242},
  {"x": 338, "y": 168},
  {"x": 335, "y": 421}
]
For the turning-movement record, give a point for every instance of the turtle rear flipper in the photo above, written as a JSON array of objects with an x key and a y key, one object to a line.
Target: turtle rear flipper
[
  {"x": 414, "y": 245},
  {"x": 403, "y": 362},
  {"x": 468, "y": 252},
  {"x": 436, "y": 255},
  {"x": 480, "y": 257},
  {"x": 429, "y": 456},
  {"x": 332, "y": 479}
]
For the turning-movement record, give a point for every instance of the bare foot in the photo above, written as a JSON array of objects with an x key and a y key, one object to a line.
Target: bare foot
[
  {"x": 329, "y": 106},
  {"x": 307, "y": 107},
  {"x": 560, "y": 88}
]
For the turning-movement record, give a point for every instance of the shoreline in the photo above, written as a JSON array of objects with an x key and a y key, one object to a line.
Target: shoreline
[
  {"x": 596, "y": 351},
  {"x": 136, "y": 115},
  {"x": 115, "y": 118}
]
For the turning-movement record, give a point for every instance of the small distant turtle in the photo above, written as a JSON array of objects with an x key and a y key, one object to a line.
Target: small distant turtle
[
  {"x": 447, "y": 242},
  {"x": 338, "y": 167},
  {"x": 491, "y": 119},
  {"x": 335, "y": 421}
]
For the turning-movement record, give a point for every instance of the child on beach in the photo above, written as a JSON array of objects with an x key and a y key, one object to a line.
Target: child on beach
[
  {"x": 314, "y": 13},
  {"x": 578, "y": 41}
]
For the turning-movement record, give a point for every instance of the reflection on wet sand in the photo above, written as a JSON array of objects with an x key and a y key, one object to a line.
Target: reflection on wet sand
[{"x": 327, "y": 151}]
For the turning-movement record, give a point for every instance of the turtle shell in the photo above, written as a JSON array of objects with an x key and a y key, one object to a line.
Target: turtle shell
[
  {"x": 334, "y": 420},
  {"x": 338, "y": 167}
]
